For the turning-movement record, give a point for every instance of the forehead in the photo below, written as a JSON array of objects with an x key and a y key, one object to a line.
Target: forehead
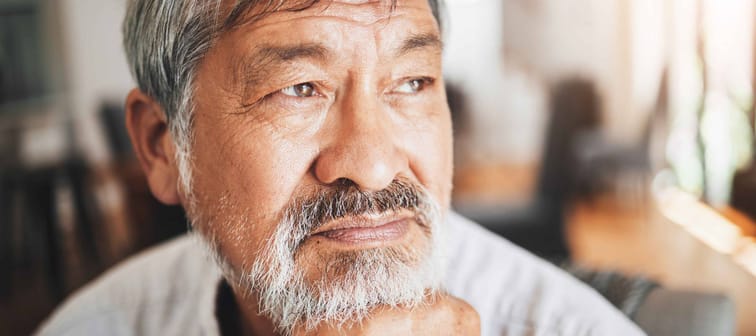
[
  {"x": 336, "y": 28},
  {"x": 255, "y": 13}
]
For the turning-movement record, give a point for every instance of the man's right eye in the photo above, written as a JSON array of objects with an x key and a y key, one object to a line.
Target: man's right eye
[{"x": 302, "y": 90}]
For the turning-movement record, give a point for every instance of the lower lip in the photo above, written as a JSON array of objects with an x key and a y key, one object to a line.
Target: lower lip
[{"x": 387, "y": 232}]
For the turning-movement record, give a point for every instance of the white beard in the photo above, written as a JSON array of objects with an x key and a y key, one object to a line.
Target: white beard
[{"x": 355, "y": 283}]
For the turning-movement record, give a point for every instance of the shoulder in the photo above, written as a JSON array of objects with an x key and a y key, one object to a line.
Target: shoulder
[
  {"x": 154, "y": 291},
  {"x": 518, "y": 293}
]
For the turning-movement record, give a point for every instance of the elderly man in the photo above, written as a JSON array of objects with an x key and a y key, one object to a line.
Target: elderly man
[{"x": 310, "y": 144}]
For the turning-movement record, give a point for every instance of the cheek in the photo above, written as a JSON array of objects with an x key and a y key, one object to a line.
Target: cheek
[
  {"x": 246, "y": 170},
  {"x": 243, "y": 178},
  {"x": 430, "y": 156}
]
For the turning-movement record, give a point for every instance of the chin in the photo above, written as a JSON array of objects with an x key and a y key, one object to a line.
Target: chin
[{"x": 339, "y": 282}]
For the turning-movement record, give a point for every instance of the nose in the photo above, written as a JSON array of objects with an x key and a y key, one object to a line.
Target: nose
[{"x": 362, "y": 145}]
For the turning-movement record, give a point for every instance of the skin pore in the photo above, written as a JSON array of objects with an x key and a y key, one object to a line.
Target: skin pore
[{"x": 343, "y": 92}]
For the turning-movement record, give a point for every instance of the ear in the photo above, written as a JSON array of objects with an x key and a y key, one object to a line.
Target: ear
[{"x": 153, "y": 144}]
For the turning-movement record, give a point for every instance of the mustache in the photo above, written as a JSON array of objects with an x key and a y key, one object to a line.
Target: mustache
[{"x": 344, "y": 198}]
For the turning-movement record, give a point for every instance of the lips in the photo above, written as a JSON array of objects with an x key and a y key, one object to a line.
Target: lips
[{"x": 356, "y": 230}]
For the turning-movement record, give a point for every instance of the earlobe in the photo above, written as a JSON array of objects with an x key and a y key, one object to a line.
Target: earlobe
[{"x": 153, "y": 145}]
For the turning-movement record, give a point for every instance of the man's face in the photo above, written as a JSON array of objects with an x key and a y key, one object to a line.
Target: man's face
[{"x": 341, "y": 96}]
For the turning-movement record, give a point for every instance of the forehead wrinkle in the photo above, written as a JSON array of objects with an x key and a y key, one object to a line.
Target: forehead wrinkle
[
  {"x": 368, "y": 12},
  {"x": 240, "y": 12}
]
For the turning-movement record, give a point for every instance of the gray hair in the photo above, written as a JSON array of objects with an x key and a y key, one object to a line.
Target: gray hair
[{"x": 165, "y": 40}]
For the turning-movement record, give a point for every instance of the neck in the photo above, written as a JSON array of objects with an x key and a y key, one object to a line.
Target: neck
[
  {"x": 252, "y": 322},
  {"x": 238, "y": 314}
]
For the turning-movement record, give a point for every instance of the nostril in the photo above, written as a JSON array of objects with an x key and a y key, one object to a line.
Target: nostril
[{"x": 344, "y": 182}]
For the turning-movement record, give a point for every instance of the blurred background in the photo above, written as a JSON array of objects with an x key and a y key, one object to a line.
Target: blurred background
[{"x": 613, "y": 138}]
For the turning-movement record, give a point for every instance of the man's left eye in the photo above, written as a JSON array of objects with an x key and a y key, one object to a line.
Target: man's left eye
[
  {"x": 413, "y": 85},
  {"x": 302, "y": 90}
]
